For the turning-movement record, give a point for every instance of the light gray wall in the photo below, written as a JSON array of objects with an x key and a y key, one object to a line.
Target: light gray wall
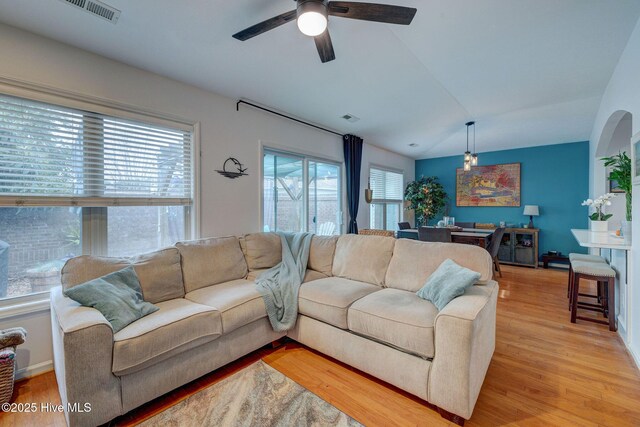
[
  {"x": 623, "y": 94},
  {"x": 227, "y": 206}
]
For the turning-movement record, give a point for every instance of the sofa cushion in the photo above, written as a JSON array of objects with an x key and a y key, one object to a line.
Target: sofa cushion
[
  {"x": 207, "y": 262},
  {"x": 308, "y": 276},
  {"x": 261, "y": 250},
  {"x": 159, "y": 272},
  {"x": 329, "y": 299},
  {"x": 321, "y": 253},
  {"x": 177, "y": 326},
  {"x": 396, "y": 317},
  {"x": 413, "y": 262},
  {"x": 363, "y": 258},
  {"x": 238, "y": 302}
]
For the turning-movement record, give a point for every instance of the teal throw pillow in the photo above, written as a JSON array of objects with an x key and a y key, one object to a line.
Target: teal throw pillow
[
  {"x": 449, "y": 281},
  {"x": 118, "y": 296}
]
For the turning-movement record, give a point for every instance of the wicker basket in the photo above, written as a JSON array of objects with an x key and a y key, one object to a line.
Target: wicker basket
[{"x": 7, "y": 376}]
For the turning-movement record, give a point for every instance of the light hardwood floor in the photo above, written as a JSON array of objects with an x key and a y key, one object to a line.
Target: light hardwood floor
[{"x": 545, "y": 371}]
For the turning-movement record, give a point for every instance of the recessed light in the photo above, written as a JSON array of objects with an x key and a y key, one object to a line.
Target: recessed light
[{"x": 413, "y": 144}]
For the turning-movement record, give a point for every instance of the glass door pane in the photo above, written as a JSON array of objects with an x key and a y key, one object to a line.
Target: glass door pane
[
  {"x": 392, "y": 217},
  {"x": 376, "y": 216},
  {"x": 324, "y": 198},
  {"x": 283, "y": 197}
]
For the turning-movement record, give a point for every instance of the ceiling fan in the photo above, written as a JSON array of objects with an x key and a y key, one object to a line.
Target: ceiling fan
[{"x": 312, "y": 18}]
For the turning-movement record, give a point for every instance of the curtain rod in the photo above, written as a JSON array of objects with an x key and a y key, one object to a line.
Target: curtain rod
[{"x": 285, "y": 116}]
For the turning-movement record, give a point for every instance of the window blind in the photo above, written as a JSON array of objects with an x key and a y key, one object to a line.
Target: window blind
[
  {"x": 52, "y": 155},
  {"x": 387, "y": 186}
]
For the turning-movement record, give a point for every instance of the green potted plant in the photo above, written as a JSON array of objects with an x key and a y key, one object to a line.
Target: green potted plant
[
  {"x": 620, "y": 165},
  {"x": 426, "y": 196}
]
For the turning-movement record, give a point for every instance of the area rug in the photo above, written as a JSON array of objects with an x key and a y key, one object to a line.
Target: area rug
[{"x": 256, "y": 396}]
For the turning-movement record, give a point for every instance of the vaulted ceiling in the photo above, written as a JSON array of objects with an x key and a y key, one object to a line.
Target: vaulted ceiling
[{"x": 530, "y": 72}]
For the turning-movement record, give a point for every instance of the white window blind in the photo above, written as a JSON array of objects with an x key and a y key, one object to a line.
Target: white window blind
[
  {"x": 387, "y": 186},
  {"x": 57, "y": 155}
]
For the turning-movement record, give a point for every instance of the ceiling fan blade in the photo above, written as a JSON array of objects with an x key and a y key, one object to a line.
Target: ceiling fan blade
[
  {"x": 325, "y": 47},
  {"x": 265, "y": 26},
  {"x": 373, "y": 12}
]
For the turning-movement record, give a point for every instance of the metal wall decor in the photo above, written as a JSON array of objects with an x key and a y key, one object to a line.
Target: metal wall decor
[{"x": 240, "y": 171}]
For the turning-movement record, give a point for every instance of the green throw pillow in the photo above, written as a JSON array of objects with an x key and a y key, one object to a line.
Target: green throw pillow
[
  {"x": 446, "y": 283},
  {"x": 118, "y": 296}
]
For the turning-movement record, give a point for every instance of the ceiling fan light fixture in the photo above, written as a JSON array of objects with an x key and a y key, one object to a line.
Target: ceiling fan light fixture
[{"x": 312, "y": 17}]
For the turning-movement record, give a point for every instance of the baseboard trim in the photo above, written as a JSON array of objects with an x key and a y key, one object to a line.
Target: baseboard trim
[
  {"x": 634, "y": 356},
  {"x": 33, "y": 370}
]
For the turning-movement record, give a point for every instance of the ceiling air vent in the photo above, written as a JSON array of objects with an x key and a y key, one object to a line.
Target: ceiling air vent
[
  {"x": 96, "y": 8},
  {"x": 350, "y": 118}
]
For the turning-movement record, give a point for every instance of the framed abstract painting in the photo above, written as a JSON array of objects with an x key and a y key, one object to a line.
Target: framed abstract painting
[{"x": 495, "y": 185}]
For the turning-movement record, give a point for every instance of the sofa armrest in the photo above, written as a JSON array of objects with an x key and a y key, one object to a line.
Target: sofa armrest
[
  {"x": 83, "y": 358},
  {"x": 465, "y": 332}
]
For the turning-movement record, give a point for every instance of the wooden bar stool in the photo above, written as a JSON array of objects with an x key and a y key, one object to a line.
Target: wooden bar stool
[
  {"x": 580, "y": 257},
  {"x": 603, "y": 275}
]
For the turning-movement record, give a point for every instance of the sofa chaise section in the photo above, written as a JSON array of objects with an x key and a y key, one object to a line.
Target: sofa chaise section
[{"x": 439, "y": 356}]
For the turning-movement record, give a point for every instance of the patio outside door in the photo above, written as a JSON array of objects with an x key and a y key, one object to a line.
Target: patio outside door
[{"x": 291, "y": 205}]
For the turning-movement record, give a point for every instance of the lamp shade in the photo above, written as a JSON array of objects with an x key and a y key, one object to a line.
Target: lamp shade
[{"x": 531, "y": 210}]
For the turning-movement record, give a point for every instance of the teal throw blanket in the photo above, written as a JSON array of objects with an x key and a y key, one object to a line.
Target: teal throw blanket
[{"x": 280, "y": 284}]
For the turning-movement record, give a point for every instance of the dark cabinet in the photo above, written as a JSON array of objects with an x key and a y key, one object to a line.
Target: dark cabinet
[{"x": 519, "y": 246}]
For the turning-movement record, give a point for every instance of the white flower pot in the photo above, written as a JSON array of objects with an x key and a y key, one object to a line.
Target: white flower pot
[
  {"x": 599, "y": 226},
  {"x": 626, "y": 229}
]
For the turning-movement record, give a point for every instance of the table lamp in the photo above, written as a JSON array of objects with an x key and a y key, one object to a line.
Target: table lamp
[{"x": 531, "y": 210}]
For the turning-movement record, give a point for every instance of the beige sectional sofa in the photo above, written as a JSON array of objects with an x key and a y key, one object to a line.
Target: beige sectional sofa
[{"x": 357, "y": 304}]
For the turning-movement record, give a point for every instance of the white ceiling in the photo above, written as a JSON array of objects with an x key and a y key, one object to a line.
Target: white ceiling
[{"x": 530, "y": 72}]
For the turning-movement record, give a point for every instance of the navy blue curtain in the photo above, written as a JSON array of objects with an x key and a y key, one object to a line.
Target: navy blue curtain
[{"x": 353, "y": 163}]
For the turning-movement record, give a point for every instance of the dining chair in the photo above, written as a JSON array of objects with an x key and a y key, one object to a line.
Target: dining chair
[
  {"x": 404, "y": 225},
  {"x": 494, "y": 246},
  {"x": 466, "y": 224},
  {"x": 431, "y": 234}
]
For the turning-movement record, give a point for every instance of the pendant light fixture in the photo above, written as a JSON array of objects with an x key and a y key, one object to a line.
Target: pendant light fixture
[
  {"x": 467, "y": 154},
  {"x": 474, "y": 156}
]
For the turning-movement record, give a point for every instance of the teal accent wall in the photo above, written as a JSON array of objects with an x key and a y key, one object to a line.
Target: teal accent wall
[{"x": 554, "y": 177}]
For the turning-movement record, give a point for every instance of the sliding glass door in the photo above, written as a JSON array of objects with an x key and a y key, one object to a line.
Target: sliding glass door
[
  {"x": 301, "y": 194},
  {"x": 324, "y": 198}
]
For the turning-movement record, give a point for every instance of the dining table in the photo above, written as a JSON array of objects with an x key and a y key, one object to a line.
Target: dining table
[{"x": 470, "y": 236}]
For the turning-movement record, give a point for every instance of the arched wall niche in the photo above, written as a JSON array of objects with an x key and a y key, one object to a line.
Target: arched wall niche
[{"x": 615, "y": 138}]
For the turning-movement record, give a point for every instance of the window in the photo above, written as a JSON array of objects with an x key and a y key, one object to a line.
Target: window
[
  {"x": 385, "y": 210},
  {"x": 78, "y": 182},
  {"x": 301, "y": 194}
]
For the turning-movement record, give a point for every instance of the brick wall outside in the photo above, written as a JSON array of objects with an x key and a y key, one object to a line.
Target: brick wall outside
[
  {"x": 43, "y": 238},
  {"x": 37, "y": 235}
]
